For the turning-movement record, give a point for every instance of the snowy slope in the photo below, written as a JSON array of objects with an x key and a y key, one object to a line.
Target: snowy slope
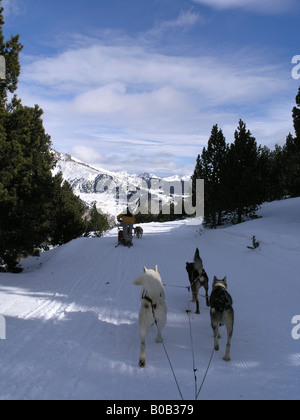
[{"x": 71, "y": 316}]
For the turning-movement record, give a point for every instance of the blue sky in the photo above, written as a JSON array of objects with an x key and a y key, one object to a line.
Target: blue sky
[{"x": 137, "y": 85}]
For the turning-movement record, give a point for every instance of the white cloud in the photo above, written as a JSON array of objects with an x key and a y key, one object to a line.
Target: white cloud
[
  {"x": 87, "y": 154},
  {"x": 185, "y": 20},
  {"x": 138, "y": 107},
  {"x": 13, "y": 7},
  {"x": 115, "y": 72},
  {"x": 264, "y": 6},
  {"x": 116, "y": 104}
]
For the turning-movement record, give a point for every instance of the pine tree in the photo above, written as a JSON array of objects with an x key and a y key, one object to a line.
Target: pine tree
[
  {"x": 292, "y": 165},
  {"x": 25, "y": 183},
  {"x": 296, "y": 118},
  {"x": 97, "y": 223},
  {"x": 65, "y": 213},
  {"x": 272, "y": 173},
  {"x": 215, "y": 159},
  {"x": 198, "y": 174},
  {"x": 34, "y": 206},
  {"x": 292, "y": 154},
  {"x": 210, "y": 166},
  {"x": 10, "y": 50},
  {"x": 242, "y": 178}
]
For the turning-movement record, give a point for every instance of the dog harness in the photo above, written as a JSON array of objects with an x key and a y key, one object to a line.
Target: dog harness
[
  {"x": 196, "y": 276},
  {"x": 153, "y": 306},
  {"x": 221, "y": 299},
  {"x": 147, "y": 299}
]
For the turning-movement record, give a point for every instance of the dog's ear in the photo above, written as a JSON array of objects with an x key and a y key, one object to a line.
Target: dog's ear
[
  {"x": 225, "y": 280},
  {"x": 156, "y": 269},
  {"x": 145, "y": 270}
]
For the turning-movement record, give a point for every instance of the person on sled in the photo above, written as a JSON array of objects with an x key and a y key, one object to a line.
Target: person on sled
[{"x": 127, "y": 220}]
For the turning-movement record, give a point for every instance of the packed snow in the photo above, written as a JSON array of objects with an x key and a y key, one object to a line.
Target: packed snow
[{"x": 72, "y": 315}]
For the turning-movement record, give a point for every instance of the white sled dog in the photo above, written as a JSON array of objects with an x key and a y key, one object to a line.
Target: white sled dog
[{"x": 153, "y": 307}]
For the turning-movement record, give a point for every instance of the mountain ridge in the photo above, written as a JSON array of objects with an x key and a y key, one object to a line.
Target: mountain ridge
[{"x": 104, "y": 187}]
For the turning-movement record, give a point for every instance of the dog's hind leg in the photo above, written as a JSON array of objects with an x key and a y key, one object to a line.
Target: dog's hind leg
[
  {"x": 215, "y": 326},
  {"x": 145, "y": 322},
  {"x": 194, "y": 294},
  {"x": 142, "y": 362},
  {"x": 207, "y": 297},
  {"x": 159, "y": 338},
  {"x": 216, "y": 337},
  {"x": 160, "y": 323},
  {"x": 197, "y": 306},
  {"x": 160, "y": 327},
  {"x": 229, "y": 325},
  {"x": 195, "y": 291},
  {"x": 143, "y": 334}
]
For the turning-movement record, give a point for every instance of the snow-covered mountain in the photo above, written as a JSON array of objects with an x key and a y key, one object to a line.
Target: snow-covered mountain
[{"x": 112, "y": 190}]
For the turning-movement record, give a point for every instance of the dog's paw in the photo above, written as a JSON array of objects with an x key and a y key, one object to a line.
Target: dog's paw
[
  {"x": 159, "y": 340},
  {"x": 142, "y": 363},
  {"x": 197, "y": 312},
  {"x": 217, "y": 347},
  {"x": 226, "y": 359}
]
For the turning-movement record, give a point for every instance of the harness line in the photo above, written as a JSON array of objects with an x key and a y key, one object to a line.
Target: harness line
[
  {"x": 169, "y": 360},
  {"x": 178, "y": 287},
  {"x": 195, "y": 370},
  {"x": 200, "y": 389},
  {"x": 193, "y": 356}
]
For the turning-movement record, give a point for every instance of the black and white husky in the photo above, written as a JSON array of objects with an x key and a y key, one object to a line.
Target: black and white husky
[
  {"x": 197, "y": 278},
  {"x": 153, "y": 307},
  {"x": 221, "y": 313}
]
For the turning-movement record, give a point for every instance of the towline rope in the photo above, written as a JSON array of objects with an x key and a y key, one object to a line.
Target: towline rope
[
  {"x": 211, "y": 357},
  {"x": 195, "y": 370},
  {"x": 167, "y": 354}
]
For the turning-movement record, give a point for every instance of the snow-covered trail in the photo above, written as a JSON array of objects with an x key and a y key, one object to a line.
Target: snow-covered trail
[
  {"x": 72, "y": 324},
  {"x": 72, "y": 316}
]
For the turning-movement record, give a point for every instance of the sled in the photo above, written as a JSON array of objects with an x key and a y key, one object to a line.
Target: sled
[
  {"x": 121, "y": 240},
  {"x": 127, "y": 221}
]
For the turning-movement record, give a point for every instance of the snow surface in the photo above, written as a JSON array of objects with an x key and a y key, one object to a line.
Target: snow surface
[{"x": 72, "y": 315}]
